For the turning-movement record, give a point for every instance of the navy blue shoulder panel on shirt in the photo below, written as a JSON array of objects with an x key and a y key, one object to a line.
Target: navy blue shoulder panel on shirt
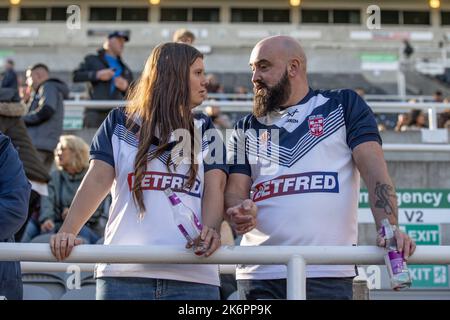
[
  {"x": 216, "y": 156},
  {"x": 101, "y": 146},
  {"x": 359, "y": 119},
  {"x": 236, "y": 147}
]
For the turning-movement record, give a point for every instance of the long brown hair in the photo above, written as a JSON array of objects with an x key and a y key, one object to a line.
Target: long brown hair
[{"x": 161, "y": 100}]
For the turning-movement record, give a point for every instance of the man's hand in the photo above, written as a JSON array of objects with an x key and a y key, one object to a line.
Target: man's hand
[
  {"x": 47, "y": 225},
  {"x": 121, "y": 83},
  {"x": 243, "y": 216},
  {"x": 404, "y": 243},
  {"x": 105, "y": 74}
]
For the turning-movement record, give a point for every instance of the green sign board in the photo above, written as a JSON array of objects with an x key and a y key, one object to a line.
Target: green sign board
[
  {"x": 423, "y": 234},
  {"x": 423, "y": 206},
  {"x": 72, "y": 123},
  {"x": 415, "y": 198},
  {"x": 378, "y": 57},
  {"x": 6, "y": 53},
  {"x": 429, "y": 276},
  {"x": 426, "y": 276}
]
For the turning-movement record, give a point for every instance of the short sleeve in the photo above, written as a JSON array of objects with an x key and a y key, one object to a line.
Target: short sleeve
[
  {"x": 236, "y": 150},
  {"x": 216, "y": 157},
  {"x": 359, "y": 120},
  {"x": 101, "y": 146}
]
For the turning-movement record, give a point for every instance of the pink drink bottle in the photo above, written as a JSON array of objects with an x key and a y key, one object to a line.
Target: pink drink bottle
[
  {"x": 395, "y": 262},
  {"x": 186, "y": 221}
]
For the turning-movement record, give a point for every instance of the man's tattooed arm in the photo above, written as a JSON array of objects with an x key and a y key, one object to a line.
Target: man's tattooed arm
[
  {"x": 385, "y": 198},
  {"x": 370, "y": 162}
]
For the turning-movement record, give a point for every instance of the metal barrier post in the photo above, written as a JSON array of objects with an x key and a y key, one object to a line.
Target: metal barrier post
[
  {"x": 296, "y": 278},
  {"x": 432, "y": 118}
]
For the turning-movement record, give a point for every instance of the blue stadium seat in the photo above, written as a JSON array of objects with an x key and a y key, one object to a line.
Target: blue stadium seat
[
  {"x": 35, "y": 292},
  {"x": 87, "y": 292},
  {"x": 54, "y": 283}
]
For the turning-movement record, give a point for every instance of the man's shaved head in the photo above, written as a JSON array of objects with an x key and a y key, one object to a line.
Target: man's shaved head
[
  {"x": 279, "y": 74},
  {"x": 285, "y": 47}
]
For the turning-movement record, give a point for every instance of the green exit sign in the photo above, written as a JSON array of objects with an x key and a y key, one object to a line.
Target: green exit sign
[
  {"x": 423, "y": 234},
  {"x": 426, "y": 276},
  {"x": 429, "y": 276}
]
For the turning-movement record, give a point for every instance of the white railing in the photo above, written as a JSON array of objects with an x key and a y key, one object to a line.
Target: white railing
[
  {"x": 249, "y": 97},
  {"x": 433, "y": 108},
  {"x": 416, "y": 147},
  {"x": 295, "y": 257},
  {"x": 33, "y": 267}
]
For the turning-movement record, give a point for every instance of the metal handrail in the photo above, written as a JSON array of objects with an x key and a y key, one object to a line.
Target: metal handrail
[
  {"x": 295, "y": 257},
  {"x": 433, "y": 108}
]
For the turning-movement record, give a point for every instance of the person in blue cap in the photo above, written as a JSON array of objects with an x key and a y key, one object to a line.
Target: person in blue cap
[{"x": 108, "y": 76}]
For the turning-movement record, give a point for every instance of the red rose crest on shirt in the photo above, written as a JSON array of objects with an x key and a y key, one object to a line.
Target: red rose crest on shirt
[{"x": 315, "y": 124}]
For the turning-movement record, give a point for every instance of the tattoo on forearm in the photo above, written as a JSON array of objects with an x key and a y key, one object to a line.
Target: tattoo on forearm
[{"x": 384, "y": 193}]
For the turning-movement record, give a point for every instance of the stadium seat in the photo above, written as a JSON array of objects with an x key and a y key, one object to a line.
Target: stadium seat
[
  {"x": 87, "y": 278},
  {"x": 35, "y": 292},
  {"x": 54, "y": 283},
  {"x": 86, "y": 292},
  {"x": 42, "y": 238}
]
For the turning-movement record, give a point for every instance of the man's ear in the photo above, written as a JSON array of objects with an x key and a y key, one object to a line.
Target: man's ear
[{"x": 294, "y": 67}]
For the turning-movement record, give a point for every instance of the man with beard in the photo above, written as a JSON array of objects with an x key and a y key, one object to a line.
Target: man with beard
[{"x": 301, "y": 153}]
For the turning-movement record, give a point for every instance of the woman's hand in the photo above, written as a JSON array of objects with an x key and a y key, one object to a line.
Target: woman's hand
[
  {"x": 62, "y": 244},
  {"x": 206, "y": 243}
]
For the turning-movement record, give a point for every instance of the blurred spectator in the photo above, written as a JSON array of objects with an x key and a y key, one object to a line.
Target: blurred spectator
[
  {"x": 384, "y": 121},
  {"x": 444, "y": 118},
  {"x": 213, "y": 85},
  {"x": 241, "y": 90},
  {"x": 9, "y": 76},
  {"x": 14, "y": 195},
  {"x": 417, "y": 121},
  {"x": 408, "y": 50},
  {"x": 46, "y": 111},
  {"x": 361, "y": 92},
  {"x": 447, "y": 125},
  {"x": 402, "y": 121},
  {"x": 438, "y": 97},
  {"x": 220, "y": 120},
  {"x": 183, "y": 36},
  {"x": 12, "y": 125},
  {"x": 381, "y": 127},
  {"x": 24, "y": 89},
  {"x": 108, "y": 76},
  {"x": 72, "y": 159}
]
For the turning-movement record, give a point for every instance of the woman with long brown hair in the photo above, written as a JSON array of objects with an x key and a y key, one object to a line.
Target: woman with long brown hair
[{"x": 137, "y": 153}]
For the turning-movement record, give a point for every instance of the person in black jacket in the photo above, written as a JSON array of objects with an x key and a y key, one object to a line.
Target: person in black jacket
[
  {"x": 14, "y": 195},
  {"x": 45, "y": 117},
  {"x": 108, "y": 76},
  {"x": 9, "y": 76},
  {"x": 13, "y": 126}
]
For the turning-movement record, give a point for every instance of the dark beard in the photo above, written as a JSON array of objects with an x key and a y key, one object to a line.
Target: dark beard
[{"x": 269, "y": 99}]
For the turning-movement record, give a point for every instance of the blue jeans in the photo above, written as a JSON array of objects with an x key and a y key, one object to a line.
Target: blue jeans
[
  {"x": 130, "y": 288},
  {"x": 316, "y": 289}
]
